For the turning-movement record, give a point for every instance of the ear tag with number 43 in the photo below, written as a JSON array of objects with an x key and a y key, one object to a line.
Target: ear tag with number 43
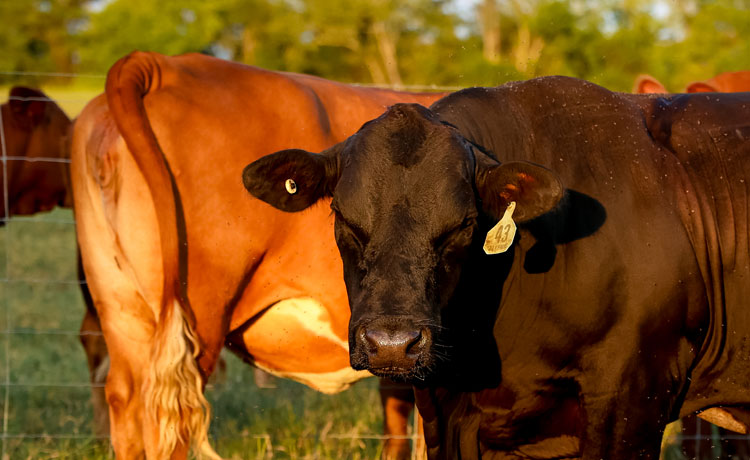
[{"x": 500, "y": 237}]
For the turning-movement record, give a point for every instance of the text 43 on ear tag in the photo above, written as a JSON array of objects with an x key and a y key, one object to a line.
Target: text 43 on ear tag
[{"x": 500, "y": 237}]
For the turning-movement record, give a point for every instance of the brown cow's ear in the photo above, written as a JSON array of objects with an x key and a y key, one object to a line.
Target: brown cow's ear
[
  {"x": 292, "y": 180},
  {"x": 535, "y": 189},
  {"x": 27, "y": 105},
  {"x": 701, "y": 87},
  {"x": 646, "y": 84}
]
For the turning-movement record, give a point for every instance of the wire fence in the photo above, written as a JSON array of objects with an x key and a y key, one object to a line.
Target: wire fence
[{"x": 19, "y": 335}]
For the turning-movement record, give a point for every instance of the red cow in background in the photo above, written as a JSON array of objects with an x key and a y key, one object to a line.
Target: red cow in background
[{"x": 728, "y": 82}]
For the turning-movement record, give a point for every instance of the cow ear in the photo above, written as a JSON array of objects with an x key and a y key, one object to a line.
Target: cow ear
[
  {"x": 535, "y": 189},
  {"x": 27, "y": 105},
  {"x": 292, "y": 180},
  {"x": 646, "y": 84},
  {"x": 701, "y": 87}
]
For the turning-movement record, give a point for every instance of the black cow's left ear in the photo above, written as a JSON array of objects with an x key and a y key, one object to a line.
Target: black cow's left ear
[
  {"x": 535, "y": 189},
  {"x": 292, "y": 180}
]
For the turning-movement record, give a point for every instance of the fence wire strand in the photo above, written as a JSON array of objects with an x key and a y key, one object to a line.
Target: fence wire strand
[
  {"x": 6, "y": 302},
  {"x": 16, "y": 73}
]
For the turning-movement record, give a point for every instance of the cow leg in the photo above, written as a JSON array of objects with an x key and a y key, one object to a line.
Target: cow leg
[
  {"x": 124, "y": 382},
  {"x": 128, "y": 326},
  {"x": 611, "y": 434},
  {"x": 98, "y": 361},
  {"x": 398, "y": 403},
  {"x": 97, "y": 358},
  {"x": 620, "y": 422}
]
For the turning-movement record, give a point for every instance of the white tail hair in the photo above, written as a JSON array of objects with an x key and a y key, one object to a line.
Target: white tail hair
[{"x": 173, "y": 389}]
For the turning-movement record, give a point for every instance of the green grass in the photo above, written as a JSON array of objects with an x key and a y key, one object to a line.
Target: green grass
[{"x": 49, "y": 412}]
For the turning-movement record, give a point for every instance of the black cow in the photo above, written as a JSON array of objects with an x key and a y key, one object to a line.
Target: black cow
[{"x": 623, "y": 302}]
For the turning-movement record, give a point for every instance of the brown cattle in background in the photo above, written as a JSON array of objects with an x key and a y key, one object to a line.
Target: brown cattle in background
[
  {"x": 728, "y": 82},
  {"x": 34, "y": 129},
  {"x": 181, "y": 262}
]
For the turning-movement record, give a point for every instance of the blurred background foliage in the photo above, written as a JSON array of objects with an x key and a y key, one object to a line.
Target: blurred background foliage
[{"x": 399, "y": 43}]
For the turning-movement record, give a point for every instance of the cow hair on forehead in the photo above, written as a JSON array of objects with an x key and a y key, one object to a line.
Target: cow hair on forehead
[
  {"x": 406, "y": 140},
  {"x": 408, "y": 131}
]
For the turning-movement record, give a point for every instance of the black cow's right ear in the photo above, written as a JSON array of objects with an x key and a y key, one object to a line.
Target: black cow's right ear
[
  {"x": 534, "y": 188},
  {"x": 292, "y": 180}
]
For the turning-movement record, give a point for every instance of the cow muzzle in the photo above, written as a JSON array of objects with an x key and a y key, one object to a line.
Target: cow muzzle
[{"x": 397, "y": 353}]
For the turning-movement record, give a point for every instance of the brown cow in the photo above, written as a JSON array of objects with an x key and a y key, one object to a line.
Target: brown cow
[
  {"x": 181, "y": 262},
  {"x": 34, "y": 128},
  {"x": 728, "y": 82}
]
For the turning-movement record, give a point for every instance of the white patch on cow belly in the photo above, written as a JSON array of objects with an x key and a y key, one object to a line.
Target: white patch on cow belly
[
  {"x": 325, "y": 382},
  {"x": 310, "y": 315}
]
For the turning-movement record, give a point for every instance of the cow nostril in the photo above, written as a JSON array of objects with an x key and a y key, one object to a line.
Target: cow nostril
[
  {"x": 391, "y": 351},
  {"x": 414, "y": 345},
  {"x": 402, "y": 342},
  {"x": 369, "y": 340},
  {"x": 375, "y": 338},
  {"x": 420, "y": 342}
]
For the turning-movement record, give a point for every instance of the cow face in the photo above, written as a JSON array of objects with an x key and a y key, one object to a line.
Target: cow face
[{"x": 408, "y": 195}]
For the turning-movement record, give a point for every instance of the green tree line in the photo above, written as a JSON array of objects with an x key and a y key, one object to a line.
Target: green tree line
[{"x": 400, "y": 43}]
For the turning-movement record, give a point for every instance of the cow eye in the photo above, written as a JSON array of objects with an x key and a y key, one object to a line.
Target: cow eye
[
  {"x": 353, "y": 232},
  {"x": 463, "y": 229}
]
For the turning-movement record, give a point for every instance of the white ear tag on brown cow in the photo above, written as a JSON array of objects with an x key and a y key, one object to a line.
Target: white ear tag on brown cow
[
  {"x": 500, "y": 237},
  {"x": 291, "y": 186}
]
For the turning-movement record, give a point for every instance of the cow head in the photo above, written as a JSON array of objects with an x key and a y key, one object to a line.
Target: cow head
[
  {"x": 408, "y": 194},
  {"x": 34, "y": 127}
]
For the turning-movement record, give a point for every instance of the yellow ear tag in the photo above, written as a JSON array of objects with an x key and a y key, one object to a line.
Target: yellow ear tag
[{"x": 500, "y": 237}]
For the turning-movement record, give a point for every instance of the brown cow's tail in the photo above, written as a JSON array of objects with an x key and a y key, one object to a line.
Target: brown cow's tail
[{"x": 173, "y": 387}]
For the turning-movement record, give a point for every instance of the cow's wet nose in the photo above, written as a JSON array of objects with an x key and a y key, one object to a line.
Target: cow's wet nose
[{"x": 394, "y": 349}]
